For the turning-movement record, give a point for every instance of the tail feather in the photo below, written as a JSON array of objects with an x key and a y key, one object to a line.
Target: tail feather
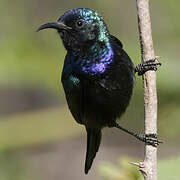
[{"x": 93, "y": 142}]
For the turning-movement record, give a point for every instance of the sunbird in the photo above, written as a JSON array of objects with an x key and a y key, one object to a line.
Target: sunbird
[{"x": 98, "y": 76}]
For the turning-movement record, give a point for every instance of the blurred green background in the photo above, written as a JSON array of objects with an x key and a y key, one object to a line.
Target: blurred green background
[{"x": 38, "y": 137}]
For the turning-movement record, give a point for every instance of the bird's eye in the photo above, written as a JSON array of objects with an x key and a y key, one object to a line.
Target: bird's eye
[{"x": 79, "y": 23}]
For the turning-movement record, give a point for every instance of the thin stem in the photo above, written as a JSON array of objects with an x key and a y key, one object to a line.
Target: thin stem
[{"x": 149, "y": 81}]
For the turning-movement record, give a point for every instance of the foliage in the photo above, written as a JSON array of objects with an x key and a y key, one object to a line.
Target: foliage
[
  {"x": 31, "y": 60},
  {"x": 11, "y": 167},
  {"x": 168, "y": 169},
  {"x": 36, "y": 128},
  {"x": 122, "y": 171}
]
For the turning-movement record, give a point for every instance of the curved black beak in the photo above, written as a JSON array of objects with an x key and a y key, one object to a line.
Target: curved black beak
[{"x": 54, "y": 25}]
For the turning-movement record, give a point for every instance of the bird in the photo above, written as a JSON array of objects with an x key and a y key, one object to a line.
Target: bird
[{"x": 98, "y": 76}]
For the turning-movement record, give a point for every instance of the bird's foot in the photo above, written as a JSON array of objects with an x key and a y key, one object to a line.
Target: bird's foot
[
  {"x": 151, "y": 64},
  {"x": 150, "y": 139}
]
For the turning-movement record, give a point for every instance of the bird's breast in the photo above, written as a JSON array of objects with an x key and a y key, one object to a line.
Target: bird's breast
[{"x": 94, "y": 64}]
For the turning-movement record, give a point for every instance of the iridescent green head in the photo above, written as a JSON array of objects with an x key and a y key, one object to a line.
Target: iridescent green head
[{"x": 80, "y": 28}]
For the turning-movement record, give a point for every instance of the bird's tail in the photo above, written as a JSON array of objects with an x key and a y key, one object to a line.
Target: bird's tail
[{"x": 93, "y": 142}]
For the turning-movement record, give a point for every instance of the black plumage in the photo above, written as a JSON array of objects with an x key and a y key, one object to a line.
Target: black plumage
[{"x": 98, "y": 75}]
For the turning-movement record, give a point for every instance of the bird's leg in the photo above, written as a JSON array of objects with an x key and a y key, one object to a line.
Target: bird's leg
[
  {"x": 150, "y": 139},
  {"x": 151, "y": 64}
]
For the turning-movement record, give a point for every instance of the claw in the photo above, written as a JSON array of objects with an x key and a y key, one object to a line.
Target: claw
[
  {"x": 152, "y": 139},
  {"x": 151, "y": 64}
]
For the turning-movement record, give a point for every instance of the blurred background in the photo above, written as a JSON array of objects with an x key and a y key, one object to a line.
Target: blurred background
[{"x": 39, "y": 140}]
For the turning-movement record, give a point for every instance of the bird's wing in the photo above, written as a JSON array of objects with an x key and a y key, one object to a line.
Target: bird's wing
[
  {"x": 73, "y": 90},
  {"x": 116, "y": 40},
  {"x": 120, "y": 55},
  {"x": 121, "y": 72}
]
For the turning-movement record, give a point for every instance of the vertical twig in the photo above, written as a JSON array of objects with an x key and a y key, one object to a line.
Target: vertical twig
[{"x": 149, "y": 166}]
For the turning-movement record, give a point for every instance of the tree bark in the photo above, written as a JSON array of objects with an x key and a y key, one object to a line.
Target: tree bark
[{"x": 149, "y": 166}]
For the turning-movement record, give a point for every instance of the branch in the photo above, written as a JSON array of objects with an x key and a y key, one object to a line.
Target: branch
[{"x": 149, "y": 166}]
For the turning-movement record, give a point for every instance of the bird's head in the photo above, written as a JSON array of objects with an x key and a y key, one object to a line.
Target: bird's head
[{"x": 80, "y": 28}]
